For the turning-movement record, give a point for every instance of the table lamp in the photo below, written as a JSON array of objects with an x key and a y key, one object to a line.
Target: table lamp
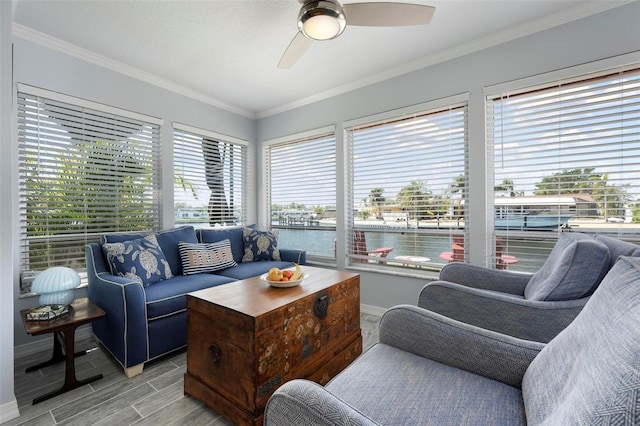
[{"x": 55, "y": 285}]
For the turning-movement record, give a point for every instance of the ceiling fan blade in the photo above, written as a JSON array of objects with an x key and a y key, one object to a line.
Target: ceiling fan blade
[
  {"x": 387, "y": 14},
  {"x": 294, "y": 51}
]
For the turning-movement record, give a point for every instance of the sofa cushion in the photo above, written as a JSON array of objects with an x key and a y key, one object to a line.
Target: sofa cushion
[
  {"x": 168, "y": 241},
  {"x": 121, "y": 237},
  {"x": 575, "y": 266},
  {"x": 170, "y": 296},
  {"x": 205, "y": 257},
  {"x": 590, "y": 373},
  {"x": 411, "y": 390},
  {"x": 141, "y": 260},
  {"x": 253, "y": 269},
  {"x": 234, "y": 235},
  {"x": 260, "y": 245}
]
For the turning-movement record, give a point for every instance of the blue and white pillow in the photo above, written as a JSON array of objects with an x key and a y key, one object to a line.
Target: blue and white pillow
[
  {"x": 260, "y": 245},
  {"x": 141, "y": 260},
  {"x": 205, "y": 257}
]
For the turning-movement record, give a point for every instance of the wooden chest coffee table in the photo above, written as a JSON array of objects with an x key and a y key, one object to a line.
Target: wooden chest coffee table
[{"x": 246, "y": 338}]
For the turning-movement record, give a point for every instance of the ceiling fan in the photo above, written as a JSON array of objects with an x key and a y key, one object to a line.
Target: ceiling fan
[{"x": 327, "y": 19}]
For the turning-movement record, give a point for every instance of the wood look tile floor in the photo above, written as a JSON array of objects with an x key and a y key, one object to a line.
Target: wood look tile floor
[{"x": 155, "y": 397}]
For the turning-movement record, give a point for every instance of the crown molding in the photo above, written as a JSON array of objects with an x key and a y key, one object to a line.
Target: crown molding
[
  {"x": 560, "y": 18},
  {"x": 53, "y": 43},
  {"x": 482, "y": 43}
]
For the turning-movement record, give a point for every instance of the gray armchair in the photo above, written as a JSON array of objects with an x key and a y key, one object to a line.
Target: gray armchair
[
  {"x": 430, "y": 369},
  {"x": 532, "y": 307}
]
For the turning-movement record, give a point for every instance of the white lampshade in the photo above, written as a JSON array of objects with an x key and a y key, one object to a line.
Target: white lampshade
[
  {"x": 56, "y": 285},
  {"x": 321, "y": 20}
]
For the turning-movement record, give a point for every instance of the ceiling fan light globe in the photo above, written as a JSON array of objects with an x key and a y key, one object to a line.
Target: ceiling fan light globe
[{"x": 321, "y": 20}]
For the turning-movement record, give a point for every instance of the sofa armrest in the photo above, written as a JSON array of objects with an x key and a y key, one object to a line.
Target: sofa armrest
[
  {"x": 123, "y": 330},
  {"x": 485, "y": 278},
  {"x": 302, "y": 402},
  {"x": 294, "y": 255},
  {"x": 434, "y": 336},
  {"x": 517, "y": 317}
]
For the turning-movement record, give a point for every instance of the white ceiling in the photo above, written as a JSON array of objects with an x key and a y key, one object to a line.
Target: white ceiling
[{"x": 226, "y": 52}]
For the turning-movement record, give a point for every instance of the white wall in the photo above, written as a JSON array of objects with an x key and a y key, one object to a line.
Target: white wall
[
  {"x": 8, "y": 404},
  {"x": 610, "y": 33}
]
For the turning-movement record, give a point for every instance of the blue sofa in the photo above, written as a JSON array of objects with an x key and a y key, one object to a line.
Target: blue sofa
[
  {"x": 144, "y": 321},
  {"x": 429, "y": 369}
]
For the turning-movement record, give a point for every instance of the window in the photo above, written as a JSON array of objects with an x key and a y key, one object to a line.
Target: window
[
  {"x": 566, "y": 157},
  {"x": 209, "y": 178},
  {"x": 301, "y": 191},
  {"x": 84, "y": 169},
  {"x": 408, "y": 183}
]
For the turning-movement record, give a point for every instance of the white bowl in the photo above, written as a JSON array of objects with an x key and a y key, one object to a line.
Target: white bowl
[{"x": 284, "y": 284}]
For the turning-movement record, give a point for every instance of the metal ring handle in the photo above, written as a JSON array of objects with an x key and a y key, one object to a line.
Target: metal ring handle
[{"x": 215, "y": 352}]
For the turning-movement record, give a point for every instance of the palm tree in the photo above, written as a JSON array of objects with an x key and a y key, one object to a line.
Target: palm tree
[
  {"x": 180, "y": 181},
  {"x": 506, "y": 187},
  {"x": 414, "y": 199},
  {"x": 459, "y": 186},
  {"x": 377, "y": 199}
]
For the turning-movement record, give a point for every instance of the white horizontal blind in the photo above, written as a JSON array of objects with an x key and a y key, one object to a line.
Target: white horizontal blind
[
  {"x": 408, "y": 181},
  {"x": 301, "y": 192},
  {"x": 568, "y": 155},
  {"x": 209, "y": 179},
  {"x": 82, "y": 172}
]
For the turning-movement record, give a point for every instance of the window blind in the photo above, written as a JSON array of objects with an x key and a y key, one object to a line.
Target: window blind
[
  {"x": 209, "y": 178},
  {"x": 408, "y": 184},
  {"x": 301, "y": 191},
  {"x": 566, "y": 158},
  {"x": 83, "y": 171}
]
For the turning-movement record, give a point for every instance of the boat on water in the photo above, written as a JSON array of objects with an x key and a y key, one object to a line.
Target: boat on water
[
  {"x": 525, "y": 221},
  {"x": 540, "y": 212}
]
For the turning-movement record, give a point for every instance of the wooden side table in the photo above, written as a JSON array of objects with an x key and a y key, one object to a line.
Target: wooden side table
[{"x": 81, "y": 311}]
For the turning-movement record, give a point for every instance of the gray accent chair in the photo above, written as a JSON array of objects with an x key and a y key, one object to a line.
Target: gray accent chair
[
  {"x": 429, "y": 369},
  {"x": 532, "y": 307}
]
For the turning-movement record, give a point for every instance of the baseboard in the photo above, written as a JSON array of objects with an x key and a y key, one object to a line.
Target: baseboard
[
  {"x": 372, "y": 310},
  {"x": 9, "y": 411},
  {"x": 46, "y": 344}
]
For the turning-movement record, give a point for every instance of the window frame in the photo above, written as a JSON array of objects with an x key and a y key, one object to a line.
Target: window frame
[
  {"x": 417, "y": 268},
  {"x": 244, "y": 165},
  {"x": 565, "y": 77},
  {"x": 105, "y": 120},
  {"x": 317, "y": 134}
]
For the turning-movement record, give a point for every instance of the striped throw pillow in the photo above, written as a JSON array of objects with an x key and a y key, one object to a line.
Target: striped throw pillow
[{"x": 205, "y": 257}]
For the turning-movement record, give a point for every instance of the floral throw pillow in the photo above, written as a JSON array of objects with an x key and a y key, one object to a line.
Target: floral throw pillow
[
  {"x": 260, "y": 245},
  {"x": 141, "y": 260}
]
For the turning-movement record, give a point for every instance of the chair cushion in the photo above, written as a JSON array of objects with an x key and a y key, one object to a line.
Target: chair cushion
[
  {"x": 205, "y": 257},
  {"x": 260, "y": 245},
  {"x": 141, "y": 260},
  {"x": 575, "y": 266},
  {"x": 618, "y": 248},
  {"x": 590, "y": 373},
  {"x": 395, "y": 387}
]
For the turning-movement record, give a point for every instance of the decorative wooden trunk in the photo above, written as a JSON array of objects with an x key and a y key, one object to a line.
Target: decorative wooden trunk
[{"x": 246, "y": 338}]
